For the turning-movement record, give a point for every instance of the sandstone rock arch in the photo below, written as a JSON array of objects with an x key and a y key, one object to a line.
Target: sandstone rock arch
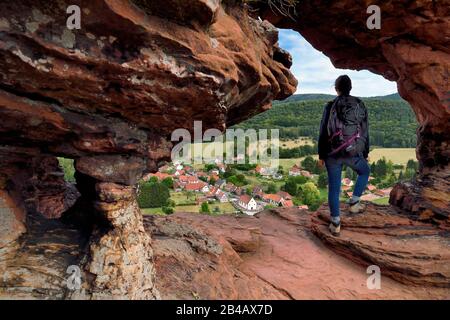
[
  {"x": 411, "y": 48},
  {"x": 110, "y": 94}
]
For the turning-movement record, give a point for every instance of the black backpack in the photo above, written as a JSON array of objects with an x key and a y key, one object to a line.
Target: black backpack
[{"x": 347, "y": 115}]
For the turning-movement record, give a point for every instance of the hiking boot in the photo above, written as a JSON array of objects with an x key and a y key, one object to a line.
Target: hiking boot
[
  {"x": 335, "y": 229},
  {"x": 357, "y": 207}
]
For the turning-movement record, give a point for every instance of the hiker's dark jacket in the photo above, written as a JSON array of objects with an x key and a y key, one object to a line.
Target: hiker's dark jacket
[{"x": 324, "y": 145}]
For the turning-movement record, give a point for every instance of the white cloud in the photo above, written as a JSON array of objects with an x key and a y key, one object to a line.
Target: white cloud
[{"x": 316, "y": 73}]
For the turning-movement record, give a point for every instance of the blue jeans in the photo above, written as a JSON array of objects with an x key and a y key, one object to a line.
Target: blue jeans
[{"x": 334, "y": 168}]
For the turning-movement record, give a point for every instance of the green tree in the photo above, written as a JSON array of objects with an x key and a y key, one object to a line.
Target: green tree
[
  {"x": 392, "y": 179},
  {"x": 323, "y": 180},
  {"x": 309, "y": 163},
  {"x": 280, "y": 170},
  {"x": 290, "y": 187},
  {"x": 168, "y": 182},
  {"x": 210, "y": 166},
  {"x": 381, "y": 168},
  {"x": 167, "y": 210},
  {"x": 272, "y": 188},
  {"x": 373, "y": 169},
  {"x": 412, "y": 164},
  {"x": 300, "y": 179},
  {"x": 205, "y": 208},
  {"x": 310, "y": 193},
  {"x": 349, "y": 173},
  {"x": 171, "y": 203},
  {"x": 153, "y": 180},
  {"x": 153, "y": 195},
  {"x": 389, "y": 167},
  {"x": 242, "y": 180},
  {"x": 238, "y": 180}
]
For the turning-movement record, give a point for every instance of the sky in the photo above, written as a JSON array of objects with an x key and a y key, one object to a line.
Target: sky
[{"x": 316, "y": 73}]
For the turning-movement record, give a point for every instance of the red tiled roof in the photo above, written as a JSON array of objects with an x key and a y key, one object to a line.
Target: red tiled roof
[
  {"x": 245, "y": 198},
  {"x": 192, "y": 179},
  {"x": 284, "y": 195},
  {"x": 220, "y": 194},
  {"x": 346, "y": 181},
  {"x": 159, "y": 175},
  {"x": 273, "y": 197},
  {"x": 288, "y": 204},
  {"x": 194, "y": 186}
]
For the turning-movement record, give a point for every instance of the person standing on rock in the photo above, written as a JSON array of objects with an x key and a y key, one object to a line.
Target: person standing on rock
[{"x": 344, "y": 140}]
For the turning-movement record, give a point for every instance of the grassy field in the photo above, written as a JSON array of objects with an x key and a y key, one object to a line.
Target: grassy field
[
  {"x": 213, "y": 145},
  {"x": 288, "y": 163},
  {"x": 296, "y": 143},
  {"x": 225, "y": 208},
  {"x": 382, "y": 201},
  {"x": 181, "y": 198},
  {"x": 154, "y": 211},
  {"x": 396, "y": 155}
]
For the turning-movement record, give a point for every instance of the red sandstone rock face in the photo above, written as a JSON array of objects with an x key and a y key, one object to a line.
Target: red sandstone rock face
[
  {"x": 109, "y": 96},
  {"x": 35, "y": 182},
  {"x": 277, "y": 256},
  {"x": 409, "y": 251},
  {"x": 12, "y": 219},
  {"x": 102, "y": 89}
]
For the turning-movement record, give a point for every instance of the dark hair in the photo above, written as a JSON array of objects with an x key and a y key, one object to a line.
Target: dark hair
[{"x": 343, "y": 84}]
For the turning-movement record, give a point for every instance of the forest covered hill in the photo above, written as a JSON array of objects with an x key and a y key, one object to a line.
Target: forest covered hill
[{"x": 392, "y": 122}]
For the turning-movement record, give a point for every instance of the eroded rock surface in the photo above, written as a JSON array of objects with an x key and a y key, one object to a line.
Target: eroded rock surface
[
  {"x": 277, "y": 255},
  {"x": 407, "y": 250}
]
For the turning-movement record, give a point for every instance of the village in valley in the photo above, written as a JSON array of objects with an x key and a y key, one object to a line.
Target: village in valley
[{"x": 219, "y": 188}]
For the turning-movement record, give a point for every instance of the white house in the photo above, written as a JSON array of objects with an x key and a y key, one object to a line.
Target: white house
[
  {"x": 205, "y": 189},
  {"x": 347, "y": 182},
  {"x": 294, "y": 171},
  {"x": 247, "y": 202},
  {"x": 221, "y": 196}
]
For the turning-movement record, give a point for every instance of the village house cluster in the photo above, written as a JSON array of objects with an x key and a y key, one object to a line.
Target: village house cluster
[
  {"x": 371, "y": 193},
  {"x": 208, "y": 187}
]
